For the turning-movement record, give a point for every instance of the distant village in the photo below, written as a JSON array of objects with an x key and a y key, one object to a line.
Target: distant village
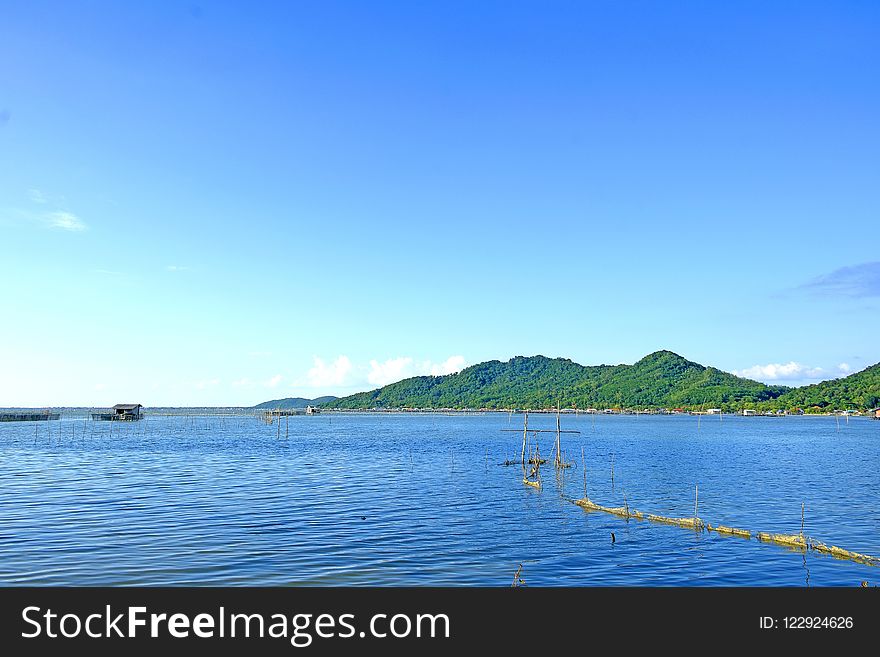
[{"x": 135, "y": 412}]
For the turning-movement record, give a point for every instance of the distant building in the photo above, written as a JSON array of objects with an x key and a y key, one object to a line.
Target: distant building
[
  {"x": 121, "y": 413},
  {"x": 876, "y": 413},
  {"x": 749, "y": 411},
  {"x": 312, "y": 410},
  {"x": 713, "y": 411}
]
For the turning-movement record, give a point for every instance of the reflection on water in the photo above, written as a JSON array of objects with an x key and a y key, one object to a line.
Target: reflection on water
[{"x": 422, "y": 500}]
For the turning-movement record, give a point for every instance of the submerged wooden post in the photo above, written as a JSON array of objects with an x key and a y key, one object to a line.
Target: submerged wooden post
[
  {"x": 558, "y": 461},
  {"x": 696, "y": 500},
  {"x": 584, "y": 466}
]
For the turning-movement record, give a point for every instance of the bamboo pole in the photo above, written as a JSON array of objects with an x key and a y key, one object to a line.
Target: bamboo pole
[
  {"x": 558, "y": 461},
  {"x": 584, "y": 467}
]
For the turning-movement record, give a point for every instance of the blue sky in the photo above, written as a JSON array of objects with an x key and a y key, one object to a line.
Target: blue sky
[{"x": 222, "y": 203}]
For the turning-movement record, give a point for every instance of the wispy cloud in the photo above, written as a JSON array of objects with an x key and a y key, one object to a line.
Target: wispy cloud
[
  {"x": 37, "y": 196},
  {"x": 274, "y": 381},
  {"x": 108, "y": 272},
  {"x": 397, "y": 369},
  {"x": 323, "y": 374},
  {"x": 64, "y": 221},
  {"x": 449, "y": 366},
  {"x": 176, "y": 268},
  {"x": 207, "y": 383},
  {"x": 342, "y": 373},
  {"x": 242, "y": 383},
  {"x": 856, "y": 281},
  {"x": 791, "y": 371}
]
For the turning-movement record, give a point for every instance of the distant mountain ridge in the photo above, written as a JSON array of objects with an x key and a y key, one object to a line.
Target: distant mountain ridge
[
  {"x": 856, "y": 391},
  {"x": 662, "y": 379},
  {"x": 296, "y": 402}
]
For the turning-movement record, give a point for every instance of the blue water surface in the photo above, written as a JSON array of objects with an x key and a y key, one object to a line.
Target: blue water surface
[{"x": 399, "y": 499}]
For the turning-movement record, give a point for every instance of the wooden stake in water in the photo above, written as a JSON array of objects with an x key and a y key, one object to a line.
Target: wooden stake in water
[
  {"x": 287, "y": 428},
  {"x": 558, "y": 461},
  {"x": 525, "y": 437},
  {"x": 696, "y": 500},
  {"x": 612, "y": 470},
  {"x": 584, "y": 467},
  {"x": 802, "y": 518}
]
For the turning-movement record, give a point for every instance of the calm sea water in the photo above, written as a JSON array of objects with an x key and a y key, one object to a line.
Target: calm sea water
[{"x": 422, "y": 500}]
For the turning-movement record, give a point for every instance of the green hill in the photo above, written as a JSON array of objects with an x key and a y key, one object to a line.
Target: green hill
[
  {"x": 856, "y": 391},
  {"x": 661, "y": 379},
  {"x": 295, "y": 402}
]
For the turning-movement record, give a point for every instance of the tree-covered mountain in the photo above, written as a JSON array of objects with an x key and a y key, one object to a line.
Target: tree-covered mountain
[
  {"x": 661, "y": 379},
  {"x": 856, "y": 391},
  {"x": 296, "y": 402}
]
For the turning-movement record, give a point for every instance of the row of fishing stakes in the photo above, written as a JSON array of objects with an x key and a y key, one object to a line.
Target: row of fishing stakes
[
  {"x": 286, "y": 428},
  {"x": 797, "y": 541},
  {"x": 533, "y": 477}
]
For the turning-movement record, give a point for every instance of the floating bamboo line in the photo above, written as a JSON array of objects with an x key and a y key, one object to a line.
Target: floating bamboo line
[
  {"x": 620, "y": 511},
  {"x": 800, "y": 542},
  {"x": 729, "y": 531},
  {"x": 840, "y": 553},
  {"x": 687, "y": 523}
]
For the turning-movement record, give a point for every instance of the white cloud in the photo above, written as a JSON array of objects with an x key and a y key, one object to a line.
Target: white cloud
[
  {"x": 404, "y": 367},
  {"x": 393, "y": 369},
  {"x": 449, "y": 366},
  {"x": 243, "y": 383},
  {"x": 791, "y": 371},
  {"x": 176, "y": 268},
  {"x": 65, "y": 221},
  {"x": 207, "y": 383},
  {"x": 342, "y": 373},
  {"x": 37, "y": 196},
  {"x": 274, "y": 381},
  {"x": 329, "y": 374}
]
